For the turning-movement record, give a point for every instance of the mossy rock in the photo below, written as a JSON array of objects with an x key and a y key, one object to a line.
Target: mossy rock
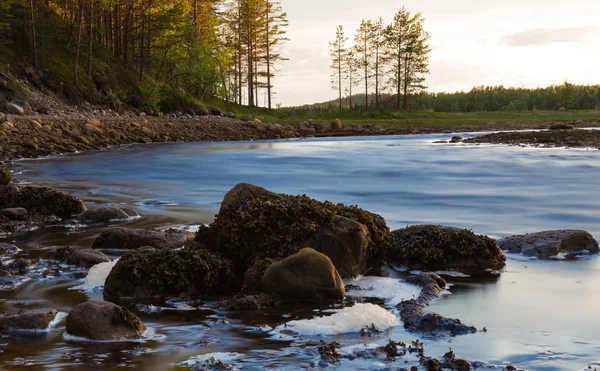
[
  {"x": 150, "y": 274},
  {"x": 41, "y": 202},
  {"x": 5, "y": 176},
  {"x": 432, "y": 247},
  {"x": 255, "y": 224},
  {"x": 253, "y": 277}
]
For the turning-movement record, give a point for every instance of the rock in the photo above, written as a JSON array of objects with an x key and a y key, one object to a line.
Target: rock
[
  {"x": 580, "y": 122},
  {"x": 103, "y": 215},
  {"x": 431, "y": 247},
  {"x": 26, "y": 107},
  {"x": 101, "y": 320},
  {"x": 275, "y": 129},
  {"x": 231, "y": 115},
  {"x": 252, "y": 283},
  {"x": 130, "y": 212},
  {"x": 5, "y": 176},
  {"x": 456, "y": 139},
  {"x": 149, "y": 273},
  {"x": 562, "y": 109},
  {"x": 561, "y": 127},
  {"x": 94, "y": 122},
  {"x": 14, "y": 109},
  {"x": 41, "y": 201},
  {"x": 14, "y": 213},
  {"x": 254, "y": 224},
  {"x": 551, "y": 243},
  {"x": 440, "y": 142},
  {"x": 336, "y": 124},
  {"x": 216, "y": 112},
  {"x": 318, "y": 127},
  {"x": 28, "y": 320},
  {"x": 35, "y": 125},
  {"x": 305, "y": 130},
  {"x": 306, "y": 276},
  {"x": 80, "y": 257},
  {"x": 131, "y": 239}
]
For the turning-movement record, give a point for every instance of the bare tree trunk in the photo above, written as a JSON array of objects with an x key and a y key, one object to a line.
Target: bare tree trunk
[
  {"x": 340, "y": 73},
  {"x": 268, "y": 54},
  {"x": 78, "y": 44},
  {"x": 90, "y": 38},
  {"x": 366, "y": 77},
  {"x": 33, "y": 37}
]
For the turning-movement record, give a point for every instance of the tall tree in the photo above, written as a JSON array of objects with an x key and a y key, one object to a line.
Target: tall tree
[
  {"x": 338, "y": 54},
  {"x": 377, "y": 33},
  {"x": 396, "y": 41},
  {"x": 275, "y": 24},
  {"x": 363, "y": 40},
  {"x": 351, "y": 68},
  {"x": 416, "y": 61}
]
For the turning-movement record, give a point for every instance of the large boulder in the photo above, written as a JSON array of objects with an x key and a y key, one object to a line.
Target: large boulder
[
  {"x": 305, "y": 276},
  {"x": 149, "y": 274},
  {"x": 101, "y": 320},
  {"x": 25, "y": 106},
  {"x": 547, "y": 244},
  {"x": 131, "y": 239},
  {"x": 254, "y": 224},
  {"x": 28, "y": 320},
  {"x": 336, "y": 124},
  {"x": 5, "y": 176},
  {"x": 432, "y": 247},
  {"x": 103, "y": 215},
  {"x": 80, "y": 257},
  {"x": 41, "y": 202}
]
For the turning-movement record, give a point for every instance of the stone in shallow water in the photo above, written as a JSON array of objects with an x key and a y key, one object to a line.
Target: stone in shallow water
[
  {"x": 131, "y": 239},
  {"x": 28, "y": 320},
  {"x": 548, "y": 244},
  {"x": 79, "y": 257},
  {"x": 103, "y": 215},
  {"x": 101, "y": 320},
  {"x": 14, "y": 213}
]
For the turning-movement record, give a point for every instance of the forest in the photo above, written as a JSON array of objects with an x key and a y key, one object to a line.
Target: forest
[{"x": 152, "y": 55}]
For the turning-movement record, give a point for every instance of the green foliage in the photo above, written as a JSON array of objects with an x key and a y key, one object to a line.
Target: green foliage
[
  {"x": 5, "y": 176},
  {"x": 511, "y": 107},
  {"x": 567, "y": 96}
]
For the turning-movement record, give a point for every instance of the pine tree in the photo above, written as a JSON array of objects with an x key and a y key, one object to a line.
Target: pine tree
[
  {"x": 338, "y": 54},
  {"x": 363, "y": 39}
]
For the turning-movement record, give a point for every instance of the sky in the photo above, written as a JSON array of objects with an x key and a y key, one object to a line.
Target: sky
[{"x": 528, "y": 43}]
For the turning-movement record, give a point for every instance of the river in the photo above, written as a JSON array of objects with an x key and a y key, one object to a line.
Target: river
[{"x": 539, "y": 315}]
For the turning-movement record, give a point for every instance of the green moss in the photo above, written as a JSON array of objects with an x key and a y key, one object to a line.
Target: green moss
[
  {"x": 434, "y": 247},
  {"x": 256, "y": 227},
  {"x": 160, "y": 273},
  {"x": 253, "y": 276},
  {"x": 5, "y": 176}
]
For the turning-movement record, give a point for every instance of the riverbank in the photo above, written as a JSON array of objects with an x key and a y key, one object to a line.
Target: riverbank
[
  {"x": 32, "y": 136},
  {"x": 572, "y": 138}
]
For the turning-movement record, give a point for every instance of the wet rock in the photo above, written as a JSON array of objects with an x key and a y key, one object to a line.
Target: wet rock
[
  {"x": 456, "y": 139},
  {"x": 336, "y": 124},
  {"x": 275, "y": 129},
  {"x": 243, "y": 302},
  {"x": 412, "y": 311},
  {"x": 5, "y": 176},
  {"x": 547, "y": 244},
  {"x": 561, "y": 127},
  {"x": 431, "y": 247},
  {"x": 80, "y": 257},
  {"x": 15, "y": 213},
  {"x": 150, "y": 273},
  {"x": 130, "y": 212},
  {"x": 131, "y": 239},
  {"x": 253, "y": 278},
  {"x": 8, "y": 249},
  {"x": 41, "y": 202},
  {"x": 440, "y": 142},
  {"x": 306, "y": 276},
  {"x": 101, "y": 320},
  {"x": 103, "y": 215},
  {"x": 254, "y": 224},
  {"x": 305, "y": 130},
  {"x": 28, "y": 320}
]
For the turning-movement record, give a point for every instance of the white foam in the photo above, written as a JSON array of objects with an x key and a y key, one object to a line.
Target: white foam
[
  {"x": 218, "y": 356},
  {"x": 392, "y": 290},
  {"x": 452, "y": 274},
  {"x": 96, "y": 277},
  {"x": 347, "y": 320}
]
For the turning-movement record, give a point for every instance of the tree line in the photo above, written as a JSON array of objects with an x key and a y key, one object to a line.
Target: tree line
[
  {"x": 384, "y": 59},
  {"x": 566, "y": 96},
  {"x": 201, "y": 49}
]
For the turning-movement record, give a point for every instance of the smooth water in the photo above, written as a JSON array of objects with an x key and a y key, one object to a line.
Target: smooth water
[{"x": 539, "y": 315}]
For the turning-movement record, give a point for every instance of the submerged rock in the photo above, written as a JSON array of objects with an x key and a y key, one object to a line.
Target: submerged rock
[
  {"x": 432, "y": 247},
  {"x": 101, "y": 320},
  {"x": 80, "y": 257},
  {"x": 305, "y": 276},
  {"x": 254, "y": 224},
  {"x": 149, "y": 273},
  {"x": 548, "y": 244},
  {"x": 41, "y": 202},
  {"x": 103, "y": 215},
  {"x": 131, "y": 239},
  {"x": 28, "y": 320},
  {"x": 412, "y": 311},
  {"x": 14, "y": 213}
]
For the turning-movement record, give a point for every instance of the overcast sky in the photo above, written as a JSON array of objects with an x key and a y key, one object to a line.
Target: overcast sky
[{"x": 526, "y": 43}]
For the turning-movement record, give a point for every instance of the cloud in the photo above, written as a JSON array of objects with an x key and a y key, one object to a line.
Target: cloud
[{"x": 547, "y": 36}]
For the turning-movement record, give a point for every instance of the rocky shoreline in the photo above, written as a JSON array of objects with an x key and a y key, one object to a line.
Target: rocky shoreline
[
  {"x": 32, "y": 135},
  {"x": 567, "y": 137}
]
